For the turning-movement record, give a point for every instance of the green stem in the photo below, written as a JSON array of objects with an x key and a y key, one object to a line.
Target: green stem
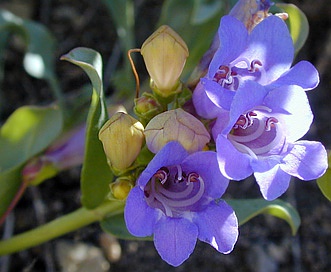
[{"x": 60, "y": 226}]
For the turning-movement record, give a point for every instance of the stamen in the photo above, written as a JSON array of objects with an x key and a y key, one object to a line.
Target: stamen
[
  {"x": 245, "y": 121},
  {"x": 184, "y": 202},
  {"x": 162, "y": 175},
  {"x": 270, "y": 123},
  {"x": 253, "y": 65},
  {"x": 179, "y": 173},
  {"x": 250, "y": 137}
]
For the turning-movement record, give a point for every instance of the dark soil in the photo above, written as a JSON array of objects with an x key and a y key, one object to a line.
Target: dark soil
[{"x": 265, "y": 243}]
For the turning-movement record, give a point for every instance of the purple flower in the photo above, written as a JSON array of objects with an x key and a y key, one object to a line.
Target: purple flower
[
  {"x": 261, "y": 137},
  {"x": 261, "y": 107},
  {"x": 175, "y": 200},
  {"x": 262, "y": 57}
]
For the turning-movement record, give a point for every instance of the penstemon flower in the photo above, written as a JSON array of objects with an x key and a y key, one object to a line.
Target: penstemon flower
[
  {"x": 246, "y": 60},
  {"x": 263, "y": 139},
  {"x": 175, "y": 200},
  {"x": 261, "y": 107}
]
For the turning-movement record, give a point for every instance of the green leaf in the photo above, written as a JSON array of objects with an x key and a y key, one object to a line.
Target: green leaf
[
  {"x": 40, "y": 48},
  {"x": 297, "y": 23},
  {"x": 39, "y": 57},
  {"x": 246, "y": 209},
  {"x": 10, "y": 181},
  {"x": 27, "y": 131},
  {"x": 324, "y": 182},
  {"x": 96, "y": 175}
]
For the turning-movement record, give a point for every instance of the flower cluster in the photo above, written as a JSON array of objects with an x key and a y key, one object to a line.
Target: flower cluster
[
  {"x": 259, "y": 110},
  {"x": 260, "y": 106}
]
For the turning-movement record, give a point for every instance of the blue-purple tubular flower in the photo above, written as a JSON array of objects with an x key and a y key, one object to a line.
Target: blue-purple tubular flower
[
  {"x": 264, "y": 140},
  {"x": 261, "y": 107},
  {"x": 250, "y": 60},
  {"x": 174, "y": 200}
]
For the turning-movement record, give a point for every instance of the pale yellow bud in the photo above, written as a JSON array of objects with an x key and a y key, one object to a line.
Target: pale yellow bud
[
  {"x": 121, "y": 188},
  {"x": 122, "y": 137},
  {"x": 165, "y": 54},
  {"x": 176, "y": 125}
]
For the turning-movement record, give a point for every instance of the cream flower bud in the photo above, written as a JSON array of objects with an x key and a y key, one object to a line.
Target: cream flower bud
[
  {"x": 122, "y": 137},
  {"x": 120, "y": 188},
  {"x": 165, "y": 54},
  {"x": 176, "y": 125}
]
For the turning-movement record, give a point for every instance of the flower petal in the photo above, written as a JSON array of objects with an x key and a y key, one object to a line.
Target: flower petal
[
  {"x": 232, "y": 163},
  {"x": 231, "y": 31},
  {"x": 303, "y": 74},
  {"x": 139, "y": 217},
  {"x": 205, "y": 164},
  {"x": 306, "y": 160},
  {"x": 291, "y": 108},
  {"x": 218, "y": 95},
  {"x": 273, "y": 181},
  {"x": 270, "y": 42},
  {"x": 249, "y": 95},
  {"x": 218, "y": 226},
  {"x": 175, "y": 239},
  {"x": 171, "y": 154},
  {"x": 202, "y": 103}
]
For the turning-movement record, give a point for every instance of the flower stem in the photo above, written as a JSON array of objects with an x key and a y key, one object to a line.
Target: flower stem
[{"x": 60, "y": 226}]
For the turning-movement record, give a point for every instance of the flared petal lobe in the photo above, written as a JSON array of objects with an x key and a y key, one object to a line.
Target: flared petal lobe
[
  {"x": 139, "y": 217},
  {"x": 306, "y": 160},
  {"x": 175, "y": 239},
  {"x": 218, "y": 226}
]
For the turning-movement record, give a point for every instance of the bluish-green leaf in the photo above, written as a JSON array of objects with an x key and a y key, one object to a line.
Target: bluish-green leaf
[
  {"x": 246, "y": 209},
  {"x": 297, "y": 23},
  {"x": 27, "y": 131},
  {"x": 96, "y": 175},
  {"x": 324, "y": 182},
  {"x": 39, "y": 57},
  {"x": 40, "y": 48}
]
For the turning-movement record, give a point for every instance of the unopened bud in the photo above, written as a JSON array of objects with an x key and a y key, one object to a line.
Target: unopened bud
[
  {"x": 122, "y": 137},
  {"x": 37, "y": 170},
  {"x": 176, "y": 125},
  {"x": 165, "y": 54},
  {"x": 147, "y": 106},
  {"x": 120, "y": 188}
]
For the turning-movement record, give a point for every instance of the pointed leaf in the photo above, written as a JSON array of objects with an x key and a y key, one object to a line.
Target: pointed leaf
[
  {"x": 246, "y": 209},
  {"x": 324, "y": 182},
  {"x": 27, "y": 131},
  {"x": 40, "y": 48},
  {"x": 40, "y": 51},
  {"x": 96, "y": 175}
]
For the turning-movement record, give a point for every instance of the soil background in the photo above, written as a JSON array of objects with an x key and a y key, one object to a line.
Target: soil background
[{"x": 265, "y": 243}]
